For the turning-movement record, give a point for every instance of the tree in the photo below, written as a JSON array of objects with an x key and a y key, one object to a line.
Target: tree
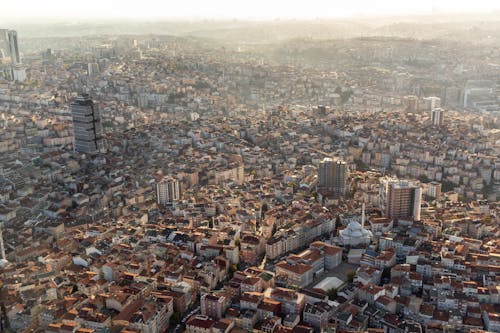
[
  {"x": 487, "y": 189},
  {"x": 423, "y": 178},
  {"x": 350, "y": 276},
  {"x": 338, "y": 224},
  {"x": 263, "y": 209},
  {"x": 360, "y": 165},
  {"x": 233, "y": 268},
  {"x": 332, "y": 294},
  {"x": 175, "y": 319},
  {"x": 447, "y": 186},
  {"x": 386, "y": 274}
]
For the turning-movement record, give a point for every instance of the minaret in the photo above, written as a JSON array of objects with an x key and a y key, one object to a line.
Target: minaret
[
  {"x": 363, "y": 215},
  {"x": 2, "y": 247}
]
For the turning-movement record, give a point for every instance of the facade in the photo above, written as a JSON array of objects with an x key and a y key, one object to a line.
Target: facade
[
  {"x": 317, "y": 315},
  {"x": 18, "y": 73},
  {"x": 168, "y": 190},
  {"x": 430, "y": 103},
  {"x": 332, "y": 176},
  {"x": 297, "y": 273},
  {"x": 13, "y": 47},
  {"x": 9, "y": 46},
  {"x": 3, "y": 259},
  {"x": 213, "y": 306},
  {"x": 199, "y": 324},
  {"x": 332, "y": 254},
  {"x": 87, "y": 128},
  {"x": 411, "y": 103},
  {"x": 292, "y": 302},
  {"x": 400, "y": 199},
  {"x": 92, "y": 69},
  {"x": 437, "y": 116},
  {"x": 434, "y": 190}
]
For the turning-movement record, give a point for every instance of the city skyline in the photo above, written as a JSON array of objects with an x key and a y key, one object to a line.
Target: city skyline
[{"x": 226, "y": 9}]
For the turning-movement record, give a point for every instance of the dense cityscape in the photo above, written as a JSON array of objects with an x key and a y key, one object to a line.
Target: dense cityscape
[{"x": 184, "y": 183}]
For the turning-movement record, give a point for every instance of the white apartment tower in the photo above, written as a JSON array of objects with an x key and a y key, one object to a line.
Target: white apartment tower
[
  {"x": 168, "y": 190},
  {"x": 437, "y": 116}
]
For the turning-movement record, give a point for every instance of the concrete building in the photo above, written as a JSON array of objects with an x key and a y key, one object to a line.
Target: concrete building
[
  {"x": 213, "y": 306},
  {"x": 199, "y": 324},
  {"x": 92, "y": 68},
  {"x": 317, "y": 314},
  {"x": 13, "y": 47},
  {"x": 298, "y": 274},
  {"x": 87, "y": 128},
  {"x": 18, "y": 73},
  {"x": 411, "y": 103},
  {"x": 400, "y": 199},
  {"x": 430, "y": 103},
  {"x": 437, "y": 116},
  {"x": 332, "y": 176},
  {"x": 434, "y": 190},
  {"x": 167, "y": 191}
]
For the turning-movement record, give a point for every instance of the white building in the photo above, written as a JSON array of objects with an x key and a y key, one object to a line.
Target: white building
[
  {"x": 437, "y": 116},
  {"x": 168, "y": 190},
  {"x": 19, "y": 73},
  {"x": 355, "y": 233}
]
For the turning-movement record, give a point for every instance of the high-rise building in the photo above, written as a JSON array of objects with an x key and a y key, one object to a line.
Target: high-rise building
[
  {"x": 400, "y": 199},
  {"x": 18, "y": 73},
  {"x": 430, "y": 103},
  {"x": 9, "y": 46},
  {"x": 434, "y": 190},
  {"x": 2, "y": 247},
  {"x": 13, "y": 47},
  {"x": 332, "y": 176},
  {"x": 437, "y": 116},
  {"x": 87, "y": 128},
  {"x": 92, "y": 68},
  {"x": 4, "y": 43},
  {"x": 168, "y": 190},
  {"x": 411, "y": 103}
]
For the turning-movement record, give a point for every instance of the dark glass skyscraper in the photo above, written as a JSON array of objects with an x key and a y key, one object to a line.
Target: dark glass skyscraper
[{"x": 87, "y": 128}]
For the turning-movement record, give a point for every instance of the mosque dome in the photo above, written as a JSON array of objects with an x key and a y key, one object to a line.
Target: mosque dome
[{"x": 355, "y": 234}]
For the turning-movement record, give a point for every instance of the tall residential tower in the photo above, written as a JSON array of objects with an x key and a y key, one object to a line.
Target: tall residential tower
[
  {"x": 437, "y": 116},
  {"x": 332, "y": 176},
  {"x": 13, "y": 47},
  {"x": 168, "y": 190},
  {"x": 87, "y": 128},
  {"x": 400, "y": 199}
]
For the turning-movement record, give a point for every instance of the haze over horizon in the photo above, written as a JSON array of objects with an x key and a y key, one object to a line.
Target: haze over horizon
[{"x": 227, "y": 9}]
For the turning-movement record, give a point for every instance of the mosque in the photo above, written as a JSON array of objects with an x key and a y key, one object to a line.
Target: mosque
[{"x": 355, "y": 233}]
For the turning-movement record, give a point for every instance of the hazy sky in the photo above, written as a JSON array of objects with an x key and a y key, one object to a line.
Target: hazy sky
[{"x": 265, "y": 9}]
